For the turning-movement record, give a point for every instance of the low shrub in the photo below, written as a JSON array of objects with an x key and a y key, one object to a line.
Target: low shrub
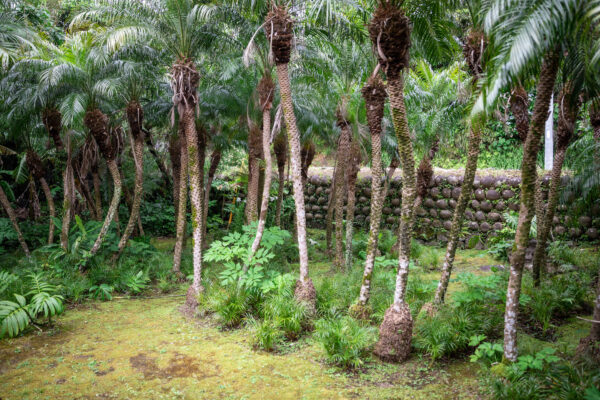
[{"x": 346, "y": 342}]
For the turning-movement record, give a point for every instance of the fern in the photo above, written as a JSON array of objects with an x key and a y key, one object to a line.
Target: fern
[
  {"x": 14, "y": 316},
  {"x": 6, "y": 278}
]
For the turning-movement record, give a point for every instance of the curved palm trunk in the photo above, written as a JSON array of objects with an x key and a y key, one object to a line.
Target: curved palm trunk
[
  {"x": 13, "y": 219},
  {"x": 215, "y": 159},
  {"x": 305, "y": 291},
  {"x": 135, "y": 115},
  {"x": 466, "y": 191},
  {"x": 114, "y": 204},
  {"x": 526, "y": 211},
  {"x": 51, "y": 208},
  {"x": 181, "y": 203},
  {"x": 564, "y": 133},
  {"x": 343, "y": 150},
  {"x": 262, "y": 218},
  {"x": 351, "y": 176}
]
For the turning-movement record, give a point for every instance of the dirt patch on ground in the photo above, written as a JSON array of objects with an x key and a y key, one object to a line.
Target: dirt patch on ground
[{"x": 180, "y": 366}]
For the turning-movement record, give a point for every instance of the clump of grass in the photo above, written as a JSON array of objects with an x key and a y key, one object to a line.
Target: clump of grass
[
  {"x": 285, "y": 314},
  {"x": 266, "y": 335},
  {"x": 346, "y": 342},
  {"x": 430, "y": 258}
]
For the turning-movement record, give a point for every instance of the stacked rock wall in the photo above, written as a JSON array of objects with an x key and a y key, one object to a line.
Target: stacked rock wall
[{"x": 493, "y": 197}]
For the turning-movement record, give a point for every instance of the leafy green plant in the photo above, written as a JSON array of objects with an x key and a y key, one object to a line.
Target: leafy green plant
[
  {"x": 286, "y": 314},
  {"x": 101, "y": 292},
  {"x": 486, "y": 352},
  {"x": 6, "y": 278},
  {"x": 15, "y": 316},
  {"x": 232, "y": 306},
  {"x": 136, "y": 283},
  {"x": 346, "y": 343},
  {"x": 266, "y": 335}
]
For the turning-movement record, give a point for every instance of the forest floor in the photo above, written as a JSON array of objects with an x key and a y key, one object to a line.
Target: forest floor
[{"x": 144, "y": 348}]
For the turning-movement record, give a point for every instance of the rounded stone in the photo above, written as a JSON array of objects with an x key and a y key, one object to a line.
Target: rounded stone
[
  {"x": 575, "y": 232},
  {"x": 367, "y": 192},
  {"x": 447, "y": 225},
  {"x": 319, "y": 190},
  {"x": 442, "y": 238},
  {"x": 452, "y": 203},
  {"x": 395, "y": 202},
  {"x": 429, "y": 203},
  {"x": 442, "y": 203},
  {"x": 322, "y": 200},
  {"x": 426, "y": 221},
  {"x": 387, "y": 210},
  {"x": 328, "y": 190},
  {"x": 592, "y": 233},
  {"x": 446, "y": 214},
  {"x": 475, "y": 204},
  {"x": 497, "y": 226},
  {"x": 433, "y": 213},
  {"x": 456, "y": 193},
  {"x": 474, "y": 226},
  {"x": 595, "y": 210},
  {"x": 310, "y": 189},
  {"x": 508, "y": 194},
  {"x": 476, "y": 183},
  {"x": 318, "y": 216},
  {"x": 559, "y": 230},
  {"x": 585, "y": 221},
  {"x": 484, "y": 227},
  {"x": 397, "y": 211},
  {"x": 514, "y": 182},
  {"x": 436, "y": 223},
  {"x": 479, "y": 216},
  {"x": 480, "y": 194},
  {"x": 446, "y": 192},
  {"x": 469, "y": 214},
  {"x": 434, "y": 192},
  {"x": 486, "y": 206},
  {"x": 366, "y": 210},
  {"x": 501, "y": 206},
  {"x": 494, "y": 216},
  {"x": 315, "y": 208},
  {"x": 492, "y": 194},
  {"x": 362, "y": 199},
  {"x": 488, "y": 181},
  {"x": 390, "y": 220},
  {"x": 309, "y": 216},
  {"x": 325, "y": 207},
  {"x": 513, "y": 206},
  {"x": 555, "y": 220},
  {"x": 421, "y": 212},
  {"x": 453, "y": 180}
]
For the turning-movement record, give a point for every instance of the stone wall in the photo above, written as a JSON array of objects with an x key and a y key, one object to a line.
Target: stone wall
[{"x": 493, "y": 196}]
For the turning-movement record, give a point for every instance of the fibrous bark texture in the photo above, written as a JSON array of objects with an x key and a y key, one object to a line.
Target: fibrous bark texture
[
  {"x": 344, "y": 152},
  {"x": 527, "y": 208},
  {"x": 351, "y": 176}
]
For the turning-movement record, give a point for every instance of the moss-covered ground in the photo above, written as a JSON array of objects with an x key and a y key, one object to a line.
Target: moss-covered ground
[{"x": 144, "y": 348}]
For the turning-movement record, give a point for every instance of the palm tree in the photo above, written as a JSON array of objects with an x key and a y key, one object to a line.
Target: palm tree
[
  {"x": 473, "y": 50},
  {"x": 390, "y": 34},
  {"x": 351, "y": 176},
  {"x": 280, "y": 149},
  {"x": 181, "y": 199},
  {"x": 278, "y": 28},
  {"x": 374, "y": 94},
  {"x": 178, "y": 27}
]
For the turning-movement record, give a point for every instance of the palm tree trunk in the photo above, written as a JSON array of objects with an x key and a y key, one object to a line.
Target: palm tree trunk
[
  {"x": 114, "y": 204},
  {"x": 343, "y": 150},
  {"x": 13, "y": 219},
  {"x": 395, "y": 332},
  {"x": 215, "y": 159},
  {"x": 254, "y": 150},
  {"x": 330, "y": 206},
  {"x": 68, "y": 197},
  {"x": 262, "y": 218},
  {"x": 463, "y": 199},
  {"x": 351, "y": 176},
  {"x": 305, "y": 290},
  {"x": 527, "y": 208},
  {"x": 138, "y": 156},
  {"x": 196, "y": 179},
  {"x": 595, "y": 331},
  {"x": 181, "y": 203},
  {"x": 97, "y": 198},
  {"x": 51, "y": 208},
  {"x": 280, "y": 148}
]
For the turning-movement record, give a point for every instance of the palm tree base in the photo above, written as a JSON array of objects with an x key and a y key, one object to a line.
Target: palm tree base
[
  {"x": 395, "y": 334},
  {"x": 190, "y": 306},
  {"x": 360, "y": 312},
  {"x": 306, "y": 294},
  {"x": 589, "y": 348}
]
